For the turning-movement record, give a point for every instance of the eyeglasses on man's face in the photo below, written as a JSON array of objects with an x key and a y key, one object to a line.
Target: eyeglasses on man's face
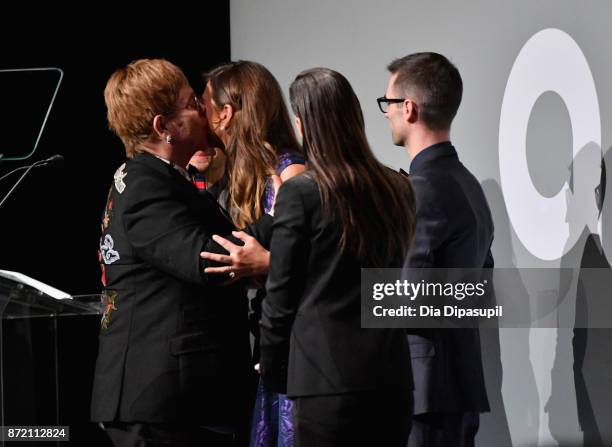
[
  {"x": 383, "y": 102},
  {"x": 194, "y": 103}
]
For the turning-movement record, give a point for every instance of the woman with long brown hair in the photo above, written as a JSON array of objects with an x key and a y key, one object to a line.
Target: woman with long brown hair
[
  {"x": 351, "y": 386},
  {"x": 246, "y": 111}
]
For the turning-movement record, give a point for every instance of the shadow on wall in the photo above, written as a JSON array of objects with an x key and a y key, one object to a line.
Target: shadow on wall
[
  {"x": 592, "y": 347},
  {"x": 568, "y": 401},
  {"x": 517, "y": 388},
  {"x": 580, "y": 390}
]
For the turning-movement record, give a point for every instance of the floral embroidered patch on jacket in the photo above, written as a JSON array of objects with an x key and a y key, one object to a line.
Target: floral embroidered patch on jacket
[{"x": 110, "y": 304}]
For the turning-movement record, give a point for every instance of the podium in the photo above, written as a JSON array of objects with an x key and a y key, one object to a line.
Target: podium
[{"x": 48, "y": 348}]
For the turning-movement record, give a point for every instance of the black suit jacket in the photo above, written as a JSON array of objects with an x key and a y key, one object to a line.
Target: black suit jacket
[
  {"x": 174, "y": 345},
  {"x": 312, "y": 308},
  {"x": 454, "y": 229}
]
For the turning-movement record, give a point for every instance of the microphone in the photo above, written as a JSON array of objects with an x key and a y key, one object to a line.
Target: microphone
[{"x": 54, "y": 160}]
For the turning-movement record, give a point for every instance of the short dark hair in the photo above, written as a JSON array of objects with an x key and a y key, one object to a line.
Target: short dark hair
[{"x": 434, "y": 84}]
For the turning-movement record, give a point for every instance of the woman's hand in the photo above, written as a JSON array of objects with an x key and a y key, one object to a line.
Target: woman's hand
[{"x": 249, "y": 260}]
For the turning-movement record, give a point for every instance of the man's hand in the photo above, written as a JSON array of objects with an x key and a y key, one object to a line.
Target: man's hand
[{"x": 247, "y": 261}]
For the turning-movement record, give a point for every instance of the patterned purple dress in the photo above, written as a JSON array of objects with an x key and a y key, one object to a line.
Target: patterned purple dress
[{"x": 272, "y": 424}]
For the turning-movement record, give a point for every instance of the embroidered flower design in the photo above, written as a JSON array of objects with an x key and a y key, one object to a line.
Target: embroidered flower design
[
  {"x": 110, "y": 301},
  {"x": 119, "y": 176},
  {"x": 106, "y": 249}
]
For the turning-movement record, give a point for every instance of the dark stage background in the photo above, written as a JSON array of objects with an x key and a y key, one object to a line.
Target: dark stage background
[{"x": 50, "y": 226}]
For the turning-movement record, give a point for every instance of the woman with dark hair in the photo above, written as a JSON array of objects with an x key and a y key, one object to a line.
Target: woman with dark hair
[
  {"x": 351, "y": 386},
  {"x": 247, "y": 113}
]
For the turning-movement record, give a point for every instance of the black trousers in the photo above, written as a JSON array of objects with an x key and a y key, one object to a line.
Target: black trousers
[
  {"x": 165, "y": 435},
  {"x": 444, "y": 429},
  {"x": 369, "y": 418}
]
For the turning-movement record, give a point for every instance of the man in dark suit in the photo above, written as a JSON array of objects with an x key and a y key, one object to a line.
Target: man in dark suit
[
  {"x": 174, "y": 363},
  {"x": 453, "y": 229}
]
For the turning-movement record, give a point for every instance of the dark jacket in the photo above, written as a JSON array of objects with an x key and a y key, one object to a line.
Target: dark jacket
[
  {"x": 312, "y": 309},
  {"x": 174, "y": 345},
  {"x": 454, "y": 229}
]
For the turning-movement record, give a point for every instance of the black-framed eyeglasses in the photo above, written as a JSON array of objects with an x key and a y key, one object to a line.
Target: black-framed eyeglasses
[{"x": 383, "y": 102}]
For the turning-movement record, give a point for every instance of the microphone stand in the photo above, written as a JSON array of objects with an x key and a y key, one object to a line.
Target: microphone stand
[
  {"x": 21, "y": 168},
  {"x": 20, "y": 179}
]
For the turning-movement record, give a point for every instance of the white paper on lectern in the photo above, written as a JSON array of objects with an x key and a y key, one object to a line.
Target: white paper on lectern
[{"x": 44, "y": 288}]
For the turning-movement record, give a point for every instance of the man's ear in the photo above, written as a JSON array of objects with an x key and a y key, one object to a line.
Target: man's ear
[
  {"x": 159, "y": 126},
  {"x": 411, "y": 111}
]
